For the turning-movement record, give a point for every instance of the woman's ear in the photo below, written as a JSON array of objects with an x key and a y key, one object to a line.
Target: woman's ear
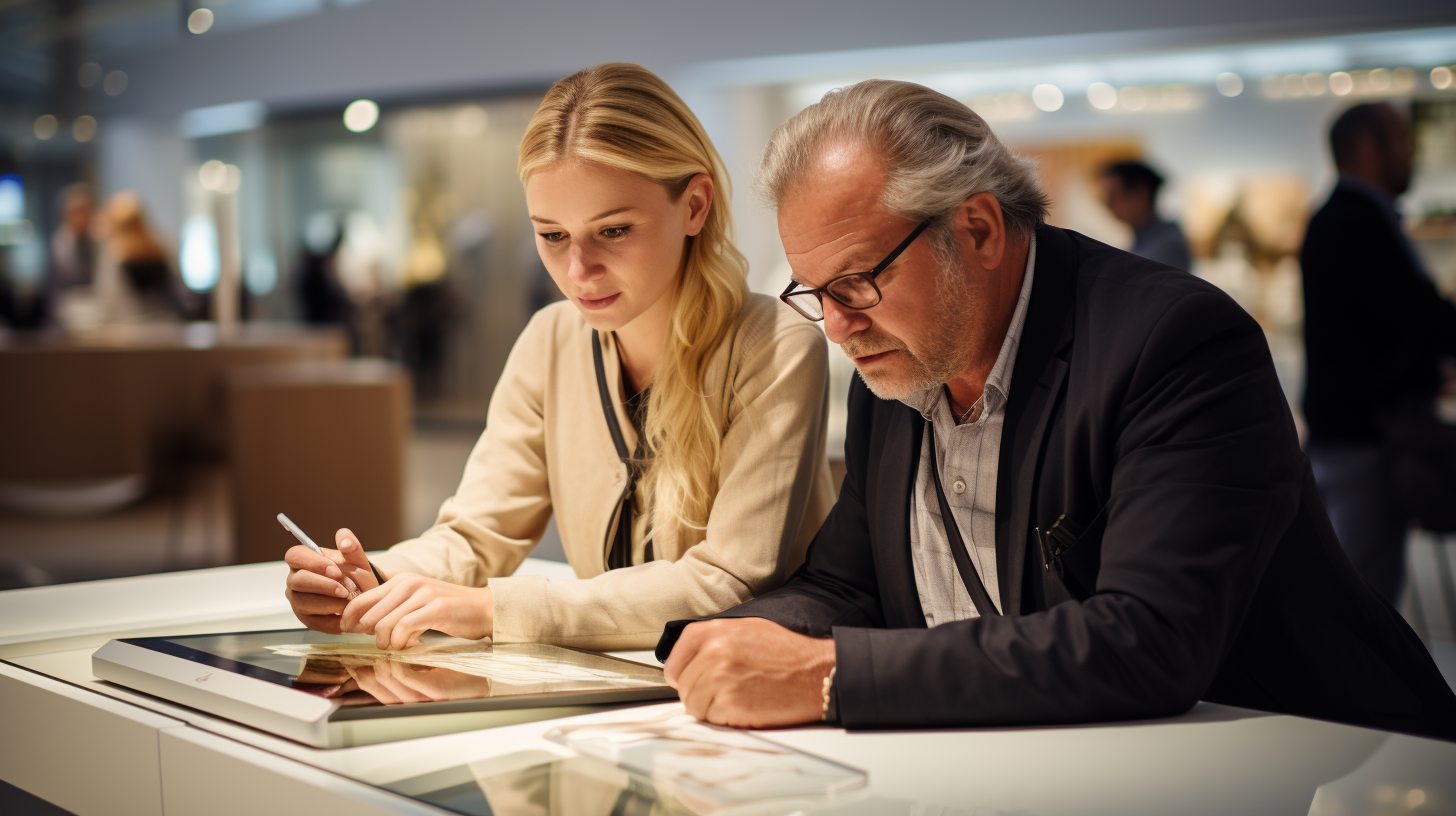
[{"x": 698, "y": 198}]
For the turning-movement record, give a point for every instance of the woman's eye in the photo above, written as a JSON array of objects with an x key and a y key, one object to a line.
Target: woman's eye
[
  {"x": 551, "y": 237},
  {"x": 614, "y": 232}
]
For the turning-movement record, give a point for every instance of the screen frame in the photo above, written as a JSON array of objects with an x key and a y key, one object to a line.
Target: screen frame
[{"x": 265, "y": 699}]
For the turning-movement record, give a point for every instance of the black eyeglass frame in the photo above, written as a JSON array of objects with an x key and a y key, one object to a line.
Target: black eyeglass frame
[{"x": 868, "y": 276}]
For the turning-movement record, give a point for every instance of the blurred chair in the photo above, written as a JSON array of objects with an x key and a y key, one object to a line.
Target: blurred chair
[{"x": 323, "y": 442}]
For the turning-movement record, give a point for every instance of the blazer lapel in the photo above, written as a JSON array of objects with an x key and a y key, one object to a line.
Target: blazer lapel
[
  {"x": 889, "y": 505},
  {"x": 1041, "y": 371}
]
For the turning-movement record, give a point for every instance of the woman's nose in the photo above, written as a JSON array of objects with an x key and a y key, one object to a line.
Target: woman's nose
[{"x": 582, "y": 265}]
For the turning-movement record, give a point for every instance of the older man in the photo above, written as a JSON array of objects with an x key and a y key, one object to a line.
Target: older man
[{"x": 1074, "y": 488}]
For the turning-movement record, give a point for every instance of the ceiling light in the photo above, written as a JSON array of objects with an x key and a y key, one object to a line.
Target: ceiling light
[
  {"x": 1229, "y": 84},
  {"x": 199, "y": 21},
  {"x": 1102, "y": 96},
  {"x": 361, "y": 115},
  {"x": 84, "y": 128},
  {"x": 1047, "y": 97},
  {"x": 46, "y": 126}
]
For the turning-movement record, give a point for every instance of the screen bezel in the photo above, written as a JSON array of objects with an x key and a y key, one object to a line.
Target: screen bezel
[{"x": 168, "y": 646}]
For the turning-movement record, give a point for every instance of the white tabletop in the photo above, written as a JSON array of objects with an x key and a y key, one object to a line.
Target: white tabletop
[{"x": 1214, "y": 759}]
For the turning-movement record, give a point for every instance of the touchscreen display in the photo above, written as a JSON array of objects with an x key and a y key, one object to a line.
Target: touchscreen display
[{"x": 351, "y": 669}]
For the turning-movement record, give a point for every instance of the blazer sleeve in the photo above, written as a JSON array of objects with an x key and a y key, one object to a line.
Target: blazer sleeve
[
  {"x": 500, "y": 510},
  {"x": 836, "y": 585},
  {"x": 772, "y": 484},
  {"x": 1204, "y": 482}
]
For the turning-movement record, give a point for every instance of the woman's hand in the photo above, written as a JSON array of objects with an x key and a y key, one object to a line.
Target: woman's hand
[
  {"x": 407, "y": 605},
  {"x": 320, "y": 586}
]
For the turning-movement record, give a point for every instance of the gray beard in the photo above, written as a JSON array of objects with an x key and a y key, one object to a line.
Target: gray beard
[{"x": 948, "y": 352}]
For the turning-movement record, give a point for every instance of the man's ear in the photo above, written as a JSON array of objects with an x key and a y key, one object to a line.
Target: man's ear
[
  {"x": 982, "y": 229},
  {"x": 699, "y": 200}
]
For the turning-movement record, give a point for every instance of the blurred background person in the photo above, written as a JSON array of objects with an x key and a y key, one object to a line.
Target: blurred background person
[
  {"x": 320, "y": 293},
  {"x": 1130, "y": 192},
  {"x": 135, "y": 282},
  {"x": 73, "y": 248},
  {"x": 1375, "y": 329}
]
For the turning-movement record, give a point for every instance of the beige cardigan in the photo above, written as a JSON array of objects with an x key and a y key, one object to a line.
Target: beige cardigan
[{"x": 547, "y": 449}]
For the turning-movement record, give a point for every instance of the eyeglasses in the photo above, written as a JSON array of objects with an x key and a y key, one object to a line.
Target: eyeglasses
[{"x": 856, "y": 290}]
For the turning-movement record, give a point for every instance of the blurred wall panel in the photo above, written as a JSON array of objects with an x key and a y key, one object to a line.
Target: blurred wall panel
[{"x": 322, "y": 442}]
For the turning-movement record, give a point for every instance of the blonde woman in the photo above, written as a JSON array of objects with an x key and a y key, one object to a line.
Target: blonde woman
[{"x": 672, "y": 422}]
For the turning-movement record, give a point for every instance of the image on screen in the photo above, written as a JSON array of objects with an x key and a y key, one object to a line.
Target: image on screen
[{"x": 353, "y": 670}]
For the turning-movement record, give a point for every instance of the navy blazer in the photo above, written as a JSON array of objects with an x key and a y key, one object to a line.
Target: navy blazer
[{"x": 1193, "y": 561}]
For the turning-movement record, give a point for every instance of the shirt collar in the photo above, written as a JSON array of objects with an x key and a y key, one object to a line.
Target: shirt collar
[{"x": 928, "y": 401}]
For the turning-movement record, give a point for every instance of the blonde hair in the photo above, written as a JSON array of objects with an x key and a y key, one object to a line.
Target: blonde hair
[
  {"x": 130, "y": 234},
  {"x": 625, "y": 117}
]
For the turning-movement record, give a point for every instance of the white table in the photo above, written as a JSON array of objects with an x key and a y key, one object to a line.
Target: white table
[{"x": 96, "y": 748}]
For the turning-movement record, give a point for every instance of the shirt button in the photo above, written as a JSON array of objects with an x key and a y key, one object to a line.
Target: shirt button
[{"x": 959, "y": 486}]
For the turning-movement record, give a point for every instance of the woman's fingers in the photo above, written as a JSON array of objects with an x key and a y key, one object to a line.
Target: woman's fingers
[
  {"x": 307, "y": 581},
  {"x": 300, "y": 557},
  {"x": 309, "y": 603},
  {"x": 385, "y": 635},
  {"x": 328, "y": 624},
  {"x": 352, "y": 550},
  {"x": 352, "y": 618}
]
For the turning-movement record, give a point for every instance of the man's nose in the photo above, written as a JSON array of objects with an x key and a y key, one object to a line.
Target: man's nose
[{"x": 842, "y": 322}]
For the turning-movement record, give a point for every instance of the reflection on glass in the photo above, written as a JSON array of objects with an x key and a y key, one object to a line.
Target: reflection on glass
[
  {"x": 351, "y": 669},
  {"x": 539, "y": 783}
]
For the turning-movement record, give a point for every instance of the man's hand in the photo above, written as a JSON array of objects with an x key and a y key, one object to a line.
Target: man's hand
[
  {"x": 397, "y": 612},
  {"x": 319, "y": 586},
  {"x": 749, "y": 673}
]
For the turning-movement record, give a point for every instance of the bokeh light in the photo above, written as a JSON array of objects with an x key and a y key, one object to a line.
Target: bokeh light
[
  {"x": 212, "y": 175},
  {"x": 115, "y": 83},
  {"x": 261, "y": 274},
  {"x": 1048, "y": 97},
  {"x": 232, "y": 179},
  {"x": 46, "y": 126},
  {"x": 1341, "y": 83},
  {"x": 84, "y": 128},
  {"x": 361, "y": 115},
  {"x": 1403, "y": 80},
  {"x": 1315, "y": 83},
  {"x": 1133, "y": 98},
  {"x": 199, "y": 21},
  {"x": 1229, "y": 84},
  {"x": 1102, "y": 96},
  {"x": 1441, "y": 78},
  {"x": 199, "y": 255}
]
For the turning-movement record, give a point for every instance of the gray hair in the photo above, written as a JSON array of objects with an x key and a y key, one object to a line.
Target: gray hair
[{"x": 937, "y": 153}]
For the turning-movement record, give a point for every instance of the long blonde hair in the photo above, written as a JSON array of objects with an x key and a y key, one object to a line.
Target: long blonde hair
[{"x": 623, "y": 116}]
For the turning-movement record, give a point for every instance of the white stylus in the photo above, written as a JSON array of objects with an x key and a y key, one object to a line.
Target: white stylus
[{"x": 308, "y": 542}]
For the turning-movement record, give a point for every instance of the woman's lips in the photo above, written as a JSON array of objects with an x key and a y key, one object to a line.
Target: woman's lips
[{"x": 599, "y": 303}]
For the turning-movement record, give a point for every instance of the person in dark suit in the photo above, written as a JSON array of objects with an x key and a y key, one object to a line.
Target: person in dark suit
[
  {"x": 1074, "y": 492},
  {"x": 1374, "y": 330}
]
